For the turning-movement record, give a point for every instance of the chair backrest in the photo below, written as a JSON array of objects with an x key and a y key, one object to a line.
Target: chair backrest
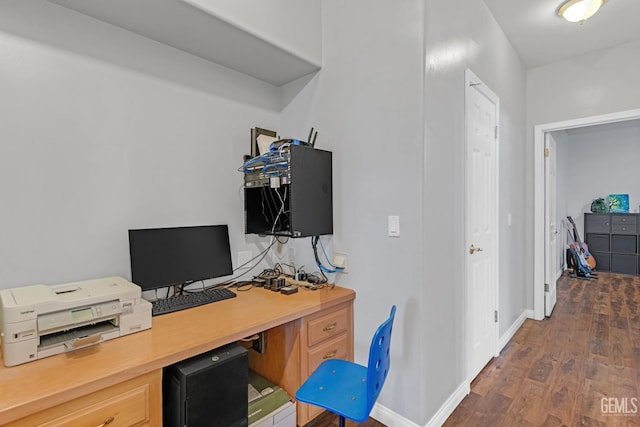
[{"x": 379, "y": 359}]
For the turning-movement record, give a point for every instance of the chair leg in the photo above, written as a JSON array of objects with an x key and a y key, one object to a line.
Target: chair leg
[{"x": 341, "y": 422}]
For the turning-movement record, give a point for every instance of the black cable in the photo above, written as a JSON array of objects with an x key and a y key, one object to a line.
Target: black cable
[
  {"x": 281, "y": 242},
  {"x": 273, "y": 202},
  {"x": 242, "y": 286},
  {"x": 268, "y": 218},
  {"x": 314, "y": 245},
  {"x": 264, "y": 254}
]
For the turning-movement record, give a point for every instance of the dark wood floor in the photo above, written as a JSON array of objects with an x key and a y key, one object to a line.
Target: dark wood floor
[
  {"x": 327, "y": 419},
  {"x": 558, "y": 371}
]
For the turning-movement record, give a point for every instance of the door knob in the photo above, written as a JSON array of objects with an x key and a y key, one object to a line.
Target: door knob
[{"x": 473, "y": 249}]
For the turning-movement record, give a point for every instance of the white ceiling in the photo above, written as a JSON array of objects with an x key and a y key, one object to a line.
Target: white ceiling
[{"x": 541, "y": 37}]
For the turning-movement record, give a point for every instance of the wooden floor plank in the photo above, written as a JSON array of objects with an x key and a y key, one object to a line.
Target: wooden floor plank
[{"x": 556, "y": 372}]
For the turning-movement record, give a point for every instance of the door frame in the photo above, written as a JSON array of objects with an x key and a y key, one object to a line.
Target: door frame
[
  {"x": 540, "y": 196},
  {"x": 471, "y": 80},
  {"x": 551, "y": 233}
]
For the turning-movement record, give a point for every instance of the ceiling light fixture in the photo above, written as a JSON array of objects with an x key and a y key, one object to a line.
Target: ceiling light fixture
[{"x": 579, "y": 10}]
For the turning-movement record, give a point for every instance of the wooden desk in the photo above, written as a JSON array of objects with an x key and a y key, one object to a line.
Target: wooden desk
[{"x": 50, "y": 387}]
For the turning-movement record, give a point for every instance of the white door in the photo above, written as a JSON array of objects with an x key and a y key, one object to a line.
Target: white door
[
  {"x": 550, "y": 219},
  {"x": 481, "y": 230}
]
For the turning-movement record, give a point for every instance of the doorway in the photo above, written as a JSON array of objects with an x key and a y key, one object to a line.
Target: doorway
[
  {"x": 482, "y": 107},
  {"x": 542, "y": 256},
  {"x": 551, "y": 227}
]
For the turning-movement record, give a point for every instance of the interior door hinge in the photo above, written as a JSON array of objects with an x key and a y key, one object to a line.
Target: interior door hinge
[
  {"x": 546, "y": 152},
  {"x": 546, "y": 287},
  {"x": 496, "y": 132},
  {"x": 495, "y": 316}
]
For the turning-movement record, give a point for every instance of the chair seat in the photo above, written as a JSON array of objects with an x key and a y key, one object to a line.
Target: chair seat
[{"x": 331, "y": 382}]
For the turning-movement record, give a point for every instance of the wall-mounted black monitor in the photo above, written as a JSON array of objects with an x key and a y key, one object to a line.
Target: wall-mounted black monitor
[{"x": 162, "y": 257}]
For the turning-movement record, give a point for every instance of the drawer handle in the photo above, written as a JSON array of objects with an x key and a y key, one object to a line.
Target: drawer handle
[
  {"x": 330, "y": 327},
  {"x": 107, "y": 421},
  {"x": 330, "y": 355}
]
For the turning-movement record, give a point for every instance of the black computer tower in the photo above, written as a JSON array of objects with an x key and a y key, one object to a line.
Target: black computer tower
[
  {"x": 291, "y": 195},
  {"x": 207, "y": 390}
]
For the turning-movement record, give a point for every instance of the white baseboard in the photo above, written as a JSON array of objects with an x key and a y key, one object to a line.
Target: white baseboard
[
  {"x": 391, "y": 419},
  {"x": 504, "y": 339},
  {"x": 450, "y": 405},
  {"x": 560, "y": 272}
]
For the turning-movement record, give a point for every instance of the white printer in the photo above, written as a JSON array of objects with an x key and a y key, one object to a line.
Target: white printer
[{"x": 39, "y": 321}]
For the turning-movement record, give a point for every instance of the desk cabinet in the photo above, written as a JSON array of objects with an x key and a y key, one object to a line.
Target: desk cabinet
[
  {"x": 137, "y": 402},
  {"x": 303, "y": 345},
  {"x": 613, "y": 240},
  {"x": 121, "y": 378}
]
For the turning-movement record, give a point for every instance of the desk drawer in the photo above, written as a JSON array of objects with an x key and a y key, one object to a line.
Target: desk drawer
[
  {"x": 327, "y": 326},
  {"x": 334, "y": 349},
  {"x": 323, "y": 335},
  {"x": 133, "y": 403}
]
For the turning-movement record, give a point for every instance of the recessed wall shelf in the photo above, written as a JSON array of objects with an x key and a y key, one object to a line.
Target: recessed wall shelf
[{"x": 189, "y": 28}]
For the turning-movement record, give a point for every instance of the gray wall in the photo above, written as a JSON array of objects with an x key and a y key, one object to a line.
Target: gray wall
[
  {"x": 104, "y": 131},
  {"x": 366, "y": 103},
  {"x": 603, "y": 160},
  {"x": 593, "y": 84},
  {"x": 397, "y": 131},
  {"x": 461, "y": 34},
  {"x": 594, "y": 162}
]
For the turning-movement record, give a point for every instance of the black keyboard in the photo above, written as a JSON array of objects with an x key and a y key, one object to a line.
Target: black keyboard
[{"x": 193, "y": 299}]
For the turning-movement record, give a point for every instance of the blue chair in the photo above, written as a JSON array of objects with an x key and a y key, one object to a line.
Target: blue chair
[{"x": 347, "y": 388}]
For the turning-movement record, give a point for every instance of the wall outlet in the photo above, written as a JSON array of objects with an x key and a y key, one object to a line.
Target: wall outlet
[{"x": 341, "y": 259}]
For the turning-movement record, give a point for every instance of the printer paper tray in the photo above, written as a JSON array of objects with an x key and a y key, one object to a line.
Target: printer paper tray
[{"x": 79, "y": 337}]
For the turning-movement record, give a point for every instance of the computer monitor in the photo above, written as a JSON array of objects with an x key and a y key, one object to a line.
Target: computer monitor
[{"x": 162, "y": 257}]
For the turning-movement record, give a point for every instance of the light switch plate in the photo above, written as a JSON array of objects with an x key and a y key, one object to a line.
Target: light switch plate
[{"x": 394, "y": 226}]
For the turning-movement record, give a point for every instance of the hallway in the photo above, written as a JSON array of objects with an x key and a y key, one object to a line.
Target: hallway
[{"x": 580, "y": 367}]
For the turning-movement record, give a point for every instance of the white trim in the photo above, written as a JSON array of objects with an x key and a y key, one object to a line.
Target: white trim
[
  {"x": 389, "y": 418},
  {"x": 539, "y": 193},
  {"x": 449, "y": 406},
  {"x": 504, "y": 339},
  {"x": 559, "y": 273}
]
